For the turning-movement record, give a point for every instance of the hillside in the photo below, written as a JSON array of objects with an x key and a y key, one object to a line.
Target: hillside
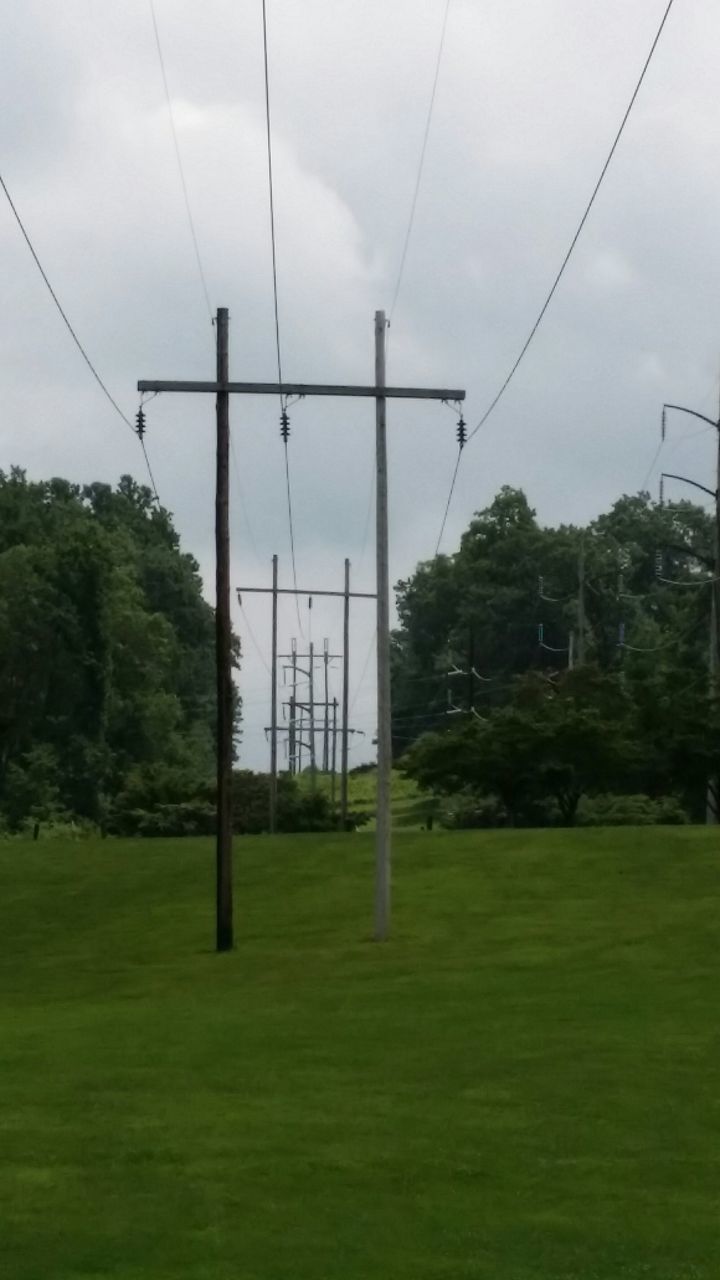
[{"x": 521, "y": 1085}]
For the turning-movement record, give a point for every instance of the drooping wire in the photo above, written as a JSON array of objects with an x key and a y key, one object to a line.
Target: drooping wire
[
  {"x": 541, "y": 315},
  {"x": 178, "y": 157},
  {"x": 581, "y": 225},
  {"x": 198, "y": 258},
  {"x": 421, "y": 162},
  {"x": 73, "y": 334},
  {"x": 273, "y": 245},
  {"x": 453, "y": 482},
  {"x": 253, "y": 638}
]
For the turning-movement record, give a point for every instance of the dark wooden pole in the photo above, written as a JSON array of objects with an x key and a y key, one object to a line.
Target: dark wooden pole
[{"x": 223, "y": 651}]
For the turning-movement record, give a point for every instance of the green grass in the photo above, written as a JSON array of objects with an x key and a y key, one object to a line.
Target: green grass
[
  {"x": 523, "y": 1084},
  {"x": 410, "y": 806}
]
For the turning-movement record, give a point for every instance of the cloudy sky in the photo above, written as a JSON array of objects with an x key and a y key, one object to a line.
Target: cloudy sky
[{"x": 529, "y": 97}]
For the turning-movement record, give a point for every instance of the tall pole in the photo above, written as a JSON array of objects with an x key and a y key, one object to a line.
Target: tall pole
[
  {"x": 581, "y": 604},
  {"x": 345, "y": 703},
  {"x": 273, "y": 700},
  {"x": 223, "y": 649},
  {"x": 311, "y": 666},
  {"x": 333, "y": 773},
  {"x": 292, "y": 750},
  {"x": 713, "y": 788},
  {"x": 326, "y": 725},
  {"x": 384, "y": 764}
]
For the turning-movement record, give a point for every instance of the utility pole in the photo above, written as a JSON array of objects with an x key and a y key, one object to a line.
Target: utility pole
[
  {"x": 345, "y": 702},
  {"x": 712, "y": 800},
  {"x": 333, "y": 773},
  {"x": 326, "y": 726},
  {"x": 311, "y": 668},
  {"x": 295, "y": 751},
  {"x": 293, "y": 711},
  {"x": 380, "y": 393},
  {"x": 383, "y": 851},
  {"x": 581, "y": 605},
  {"x": 223, "y": 651},
  {"x": 273, "y": 702}
]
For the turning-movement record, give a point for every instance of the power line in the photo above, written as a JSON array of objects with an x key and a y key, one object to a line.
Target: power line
[
  {"x": 580, "y": 227},
  {"x": 541, "y": 315},
  {"x": 178, "y": 157},
  {"x": 271, "y": 195},
  {"x": 453, "y": 482},
  {"x": 421, "y": 163},
  {"x": 73, "y": 334},
  {"x": 251, "y": 633}
]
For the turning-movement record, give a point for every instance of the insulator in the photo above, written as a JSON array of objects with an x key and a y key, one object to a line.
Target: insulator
[
  {"x": 658, "y": 564},
  {"x": 140, "y": 422},
  {"x": 285, "y": 425},
  {"x": 541, "y": 586},
  {"x": 461, "y": 432},
  {"x": 621, "y": 635},
  {"x": 663, "y": 422},
  {"x": 541, "y": 632},
  {"x": 662, "y": 490}
]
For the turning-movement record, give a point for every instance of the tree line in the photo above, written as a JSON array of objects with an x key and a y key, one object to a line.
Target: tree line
[
  {"x": 107, "y": 672},
  {"x": 541, "y": 674}
]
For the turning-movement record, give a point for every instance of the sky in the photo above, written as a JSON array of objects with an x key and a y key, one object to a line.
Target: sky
[{"x": 529, "y": 97}]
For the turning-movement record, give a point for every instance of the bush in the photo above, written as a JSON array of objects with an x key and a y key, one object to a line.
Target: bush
[
  {"x": 467, "y": 811},
  {"x": 630, "y": 811}
]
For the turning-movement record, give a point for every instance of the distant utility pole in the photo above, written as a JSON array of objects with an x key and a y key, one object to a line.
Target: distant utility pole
[
  {"x": 222, "y": 388},
  {"x": 346, "y": 595},
  {"x": 579, "y": 658},
  {"x": 712, "y": 806}
]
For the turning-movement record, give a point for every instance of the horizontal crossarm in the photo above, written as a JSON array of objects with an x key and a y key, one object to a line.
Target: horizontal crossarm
[{"x": 303, "y": 389}]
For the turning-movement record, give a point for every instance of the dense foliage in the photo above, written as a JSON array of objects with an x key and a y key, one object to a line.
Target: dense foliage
[
  {"x": 489, "y": 706},
  {"x": 107, "y": 689}
]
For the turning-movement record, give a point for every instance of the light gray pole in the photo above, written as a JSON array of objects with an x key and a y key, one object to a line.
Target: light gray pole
[
  {"x": 713, "y": 788},
  {"x": 384, "y": 761},
  {"x": 333, "y": 774},
  {"x": 273, "y": 701},
  {"x": 292, "y": 749},
  {"x": 345, "y": 703},
  {"x": 311, "y": 667},
  {"x": 581, "y": 604},
  {"x": 326, "y": 725}
]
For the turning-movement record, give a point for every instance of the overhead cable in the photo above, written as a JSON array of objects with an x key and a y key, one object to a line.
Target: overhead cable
[
  {"x": 421, "y": 162},
  {"x": 541, "y": 315},
  {"x": 73, "y": 334}
]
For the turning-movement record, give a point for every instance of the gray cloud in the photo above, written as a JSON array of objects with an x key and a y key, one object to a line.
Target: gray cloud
[{"x": 528, "y": 99}]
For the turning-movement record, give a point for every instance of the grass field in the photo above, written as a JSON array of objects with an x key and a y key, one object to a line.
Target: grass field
[
  {"x": 410, "y": 806},
  {"x": 522, "y": 1085}
]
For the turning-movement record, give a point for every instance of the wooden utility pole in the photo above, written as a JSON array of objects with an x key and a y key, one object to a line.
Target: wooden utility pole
[
  {"x": 381, "y": 393},
  {"x": 223, "y": 649},
  {"x": 273, "y": 701},
  {"x": 345, "y": 702},
  {"x": 383, "y": 851}
]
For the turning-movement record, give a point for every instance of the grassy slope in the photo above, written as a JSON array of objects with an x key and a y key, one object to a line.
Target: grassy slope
[
  {"x": 409, "y": 805},
  {"x": 523, "y": 1084}
]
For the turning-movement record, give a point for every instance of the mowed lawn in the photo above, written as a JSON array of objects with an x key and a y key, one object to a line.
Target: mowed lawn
[{"x": 523, "y": 1084}]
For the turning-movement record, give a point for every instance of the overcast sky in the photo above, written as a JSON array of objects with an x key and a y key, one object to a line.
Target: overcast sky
[{"x": 529, "y": 97}]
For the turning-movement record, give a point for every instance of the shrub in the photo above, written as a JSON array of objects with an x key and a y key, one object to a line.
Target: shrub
[{"x": 630, "y": 811}]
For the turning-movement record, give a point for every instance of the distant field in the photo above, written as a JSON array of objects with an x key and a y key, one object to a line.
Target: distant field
[
  {"x": 521, "y": 1085},
  {"x": 410, "y": 806}
]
